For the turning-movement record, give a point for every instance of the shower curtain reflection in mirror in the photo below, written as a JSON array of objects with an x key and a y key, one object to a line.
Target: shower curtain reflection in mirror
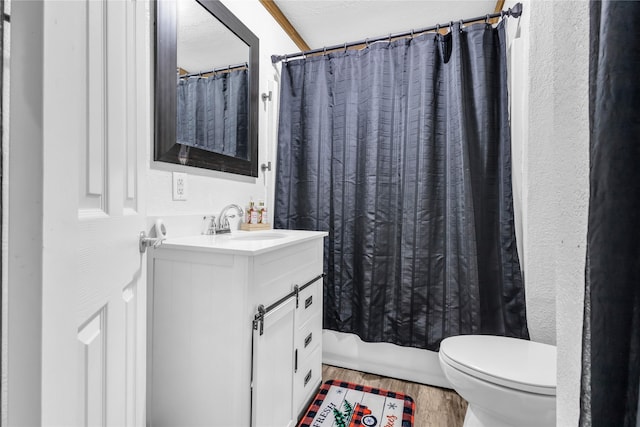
[{"x": 212, "y": 112}]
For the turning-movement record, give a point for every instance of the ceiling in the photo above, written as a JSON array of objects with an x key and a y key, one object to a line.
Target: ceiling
[{"x": 324, "y": 23}]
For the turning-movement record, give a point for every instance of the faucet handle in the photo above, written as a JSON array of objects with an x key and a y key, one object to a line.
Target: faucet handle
[
  {"x": 209, "y": 224},
  {"x": 224, "y": 224}
]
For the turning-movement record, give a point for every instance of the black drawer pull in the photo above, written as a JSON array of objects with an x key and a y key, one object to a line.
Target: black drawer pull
[
  {"x": 307, "y": 378},
  {"x": 308, "y": 339},
  {"x": 308, "y": 302}
]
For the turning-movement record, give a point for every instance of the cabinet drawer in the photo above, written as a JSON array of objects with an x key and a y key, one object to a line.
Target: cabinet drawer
[
  {"x": 309, "y": 303},
  {"x": 307, "y": 380},
  {"x": 275, "y": 273},
  {"x": 308, "y": 337}
]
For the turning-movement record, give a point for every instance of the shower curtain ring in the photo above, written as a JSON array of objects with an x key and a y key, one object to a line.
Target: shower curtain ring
[
  {"x": 412, "y": 33},
  {"x": 345, "y": 46},
  {"x": 450, "y": 26},
  {"x": 366, "y": 42},
  {"x": 438, "y": 28},
  {"x": 486, "y": 20},
  {"x": 502, "y": 14},
  {"x": 389, "y": 37},
  {"x": 461, "y": 23},
  {"x": 324, "y": 52}
]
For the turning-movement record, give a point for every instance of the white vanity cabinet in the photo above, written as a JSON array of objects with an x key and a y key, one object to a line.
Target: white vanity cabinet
[{"x": 234, "y": 329}]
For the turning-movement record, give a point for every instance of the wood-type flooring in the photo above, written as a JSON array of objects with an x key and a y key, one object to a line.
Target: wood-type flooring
[{"x": 435, "y": 407}]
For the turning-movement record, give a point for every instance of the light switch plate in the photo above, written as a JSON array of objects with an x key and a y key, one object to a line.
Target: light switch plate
[{"x": 179, "y": 186}]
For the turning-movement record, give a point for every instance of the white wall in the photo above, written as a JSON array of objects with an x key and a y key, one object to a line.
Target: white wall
[
  {"x": 532, "y": 123},
  {"x": 551, "y": 166},
  {"x": 210, "y": 191},
  {"x": 571, "y": 133}
]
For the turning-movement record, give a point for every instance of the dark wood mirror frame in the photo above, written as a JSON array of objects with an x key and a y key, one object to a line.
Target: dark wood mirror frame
[{"x": 166, "y": 149}]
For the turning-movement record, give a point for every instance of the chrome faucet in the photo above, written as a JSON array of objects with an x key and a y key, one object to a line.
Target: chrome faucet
[{"x": 223, "y": 219}]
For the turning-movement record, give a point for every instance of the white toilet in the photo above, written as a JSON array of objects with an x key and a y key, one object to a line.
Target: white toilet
[{"x": 507, "y": 382}]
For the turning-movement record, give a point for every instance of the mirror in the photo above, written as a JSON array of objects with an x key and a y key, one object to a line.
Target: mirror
[{"x": 206, "y": 87}]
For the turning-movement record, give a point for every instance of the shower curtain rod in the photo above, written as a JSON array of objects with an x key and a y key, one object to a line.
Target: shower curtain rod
[
  {"x": 514, "y": 11},
  {"x": 215, "y": 70}
]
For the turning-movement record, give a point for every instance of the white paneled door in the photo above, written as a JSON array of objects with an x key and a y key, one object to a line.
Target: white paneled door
[{"x": 96, "y": 120}]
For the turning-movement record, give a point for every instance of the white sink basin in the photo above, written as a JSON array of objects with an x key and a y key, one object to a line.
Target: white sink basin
[
  {"x": 241, "y": 242},
  {"x": 259, "y": 236}
]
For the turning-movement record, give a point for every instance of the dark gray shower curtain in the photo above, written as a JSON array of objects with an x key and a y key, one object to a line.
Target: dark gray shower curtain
[
  {"x": 212, "y": 113},
  {"x": 611, "y": 339},
  {"x": 402, "y": 152}
]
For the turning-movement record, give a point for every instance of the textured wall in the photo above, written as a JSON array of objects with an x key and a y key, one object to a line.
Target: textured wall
[
  {"x": 551, "y": 166},
  {"x": 538, "y": 193},
  {"x": 209, "y": 191},
  {"x": 571, "y": 135}
]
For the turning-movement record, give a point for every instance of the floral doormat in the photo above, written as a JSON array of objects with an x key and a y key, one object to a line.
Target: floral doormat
[{"x": 342, "y": 404}]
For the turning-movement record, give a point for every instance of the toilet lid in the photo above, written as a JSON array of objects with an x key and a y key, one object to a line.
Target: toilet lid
[{"x": 509, "y": 362}]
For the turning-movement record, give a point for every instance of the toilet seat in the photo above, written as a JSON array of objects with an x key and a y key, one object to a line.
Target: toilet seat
[{"x": 509, "y": 362}]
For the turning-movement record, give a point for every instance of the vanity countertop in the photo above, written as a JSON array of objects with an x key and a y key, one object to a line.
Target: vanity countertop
[{"x": 246, "y": 243}]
